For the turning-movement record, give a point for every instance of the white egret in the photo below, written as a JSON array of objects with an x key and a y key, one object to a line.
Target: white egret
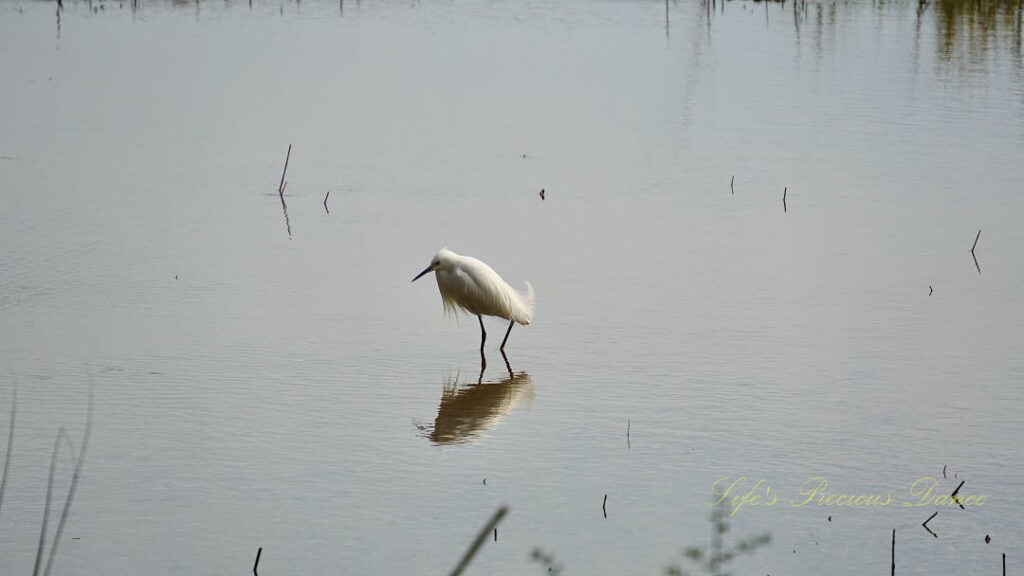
[{"x": 468, "y": 284}]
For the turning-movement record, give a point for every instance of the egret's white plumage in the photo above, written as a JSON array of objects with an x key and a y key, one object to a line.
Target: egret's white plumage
[{"x": 468, "y": 284}]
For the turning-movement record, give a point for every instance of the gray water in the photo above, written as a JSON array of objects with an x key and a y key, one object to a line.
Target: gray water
[{"x": 297, "y": 393}]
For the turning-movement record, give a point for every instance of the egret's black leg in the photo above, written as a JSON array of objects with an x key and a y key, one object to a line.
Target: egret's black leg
[
  {"x": 483, "y": 338},
  {"x": 507, "y": 365},
  {"x": 511, "y": 323}
]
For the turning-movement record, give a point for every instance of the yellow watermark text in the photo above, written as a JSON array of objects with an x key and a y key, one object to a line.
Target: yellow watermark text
[
  {"x": 742, "y": 491},
  {"x": 815, "y": 491},
  {"x": 926, "y": 492}
]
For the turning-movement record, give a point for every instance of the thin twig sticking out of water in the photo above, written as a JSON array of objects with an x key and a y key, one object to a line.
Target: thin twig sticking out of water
[
  {"x": 10, "y": 439},
  {"x": 325, "y": 201},
  {"x": 733, "y": 179},
  {"x": 479, "y": 541},
  {"x": 628, "y": 422},
  {"x": 280, "y": 187},
  {"x": 280, "y": 192},
  {"x": 257, "y": 563},
  {"x": 925, "y": 524},
  {"x": 955, "y": 492},
  {"x": 893, "y": 552},
  {"x": 975, "y": 245},
  {"x": 784, "y": 190},
  {"x": 603, "y": 504}
]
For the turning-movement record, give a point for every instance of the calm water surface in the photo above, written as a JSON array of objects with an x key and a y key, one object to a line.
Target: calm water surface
[{"x": 298, "y": 393}]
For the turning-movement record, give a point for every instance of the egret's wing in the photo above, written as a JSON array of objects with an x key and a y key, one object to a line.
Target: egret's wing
[
  {"x": 494, "y": 296},
  {"x": 480, "y": 290},
  {"x": 476, "y": 288}
]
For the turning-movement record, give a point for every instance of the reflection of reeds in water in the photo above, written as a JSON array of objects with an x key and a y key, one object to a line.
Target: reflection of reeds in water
[
  {"x": 978, "y": 27},
  {"x": 468, "y": 410},
  {"x": 969, "y": 33}
]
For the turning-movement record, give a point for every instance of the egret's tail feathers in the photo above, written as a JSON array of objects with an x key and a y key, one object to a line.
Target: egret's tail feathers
[{"x": 528, "y": 303}]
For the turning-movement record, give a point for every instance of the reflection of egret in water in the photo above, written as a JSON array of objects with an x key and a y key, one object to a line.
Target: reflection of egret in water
[{"x": 470, "y": 409}]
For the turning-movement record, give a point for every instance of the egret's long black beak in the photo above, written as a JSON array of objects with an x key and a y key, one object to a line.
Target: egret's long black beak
[{"x": 429, "y": 269}]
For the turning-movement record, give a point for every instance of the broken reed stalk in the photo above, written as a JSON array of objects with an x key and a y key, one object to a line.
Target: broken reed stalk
[
  {"x": 325, "y": 201},
  {"x": 80, "y": 460},
  {"x": 257, "y": 563},
  {"x": 784, "y": 190},
  {"x": 10, "y": 440},
  {"x": 479, "y": 541},
  {"x": 731, "y": 180},
  {"x": 603, "y": 504},
  {"x": 955, "y": 492},
  {"x": 953, "y": 495},
  {"x": 280, "y": 187},
  {"x": 280, "y": 192},
  {"x": 893, "y": 552},
  {"x": 925, "y": 524},
  {"x": 973, "y": 255}
]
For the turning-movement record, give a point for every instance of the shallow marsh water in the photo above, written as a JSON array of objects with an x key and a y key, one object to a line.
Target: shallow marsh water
[{"x": 298, "y": 393}]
